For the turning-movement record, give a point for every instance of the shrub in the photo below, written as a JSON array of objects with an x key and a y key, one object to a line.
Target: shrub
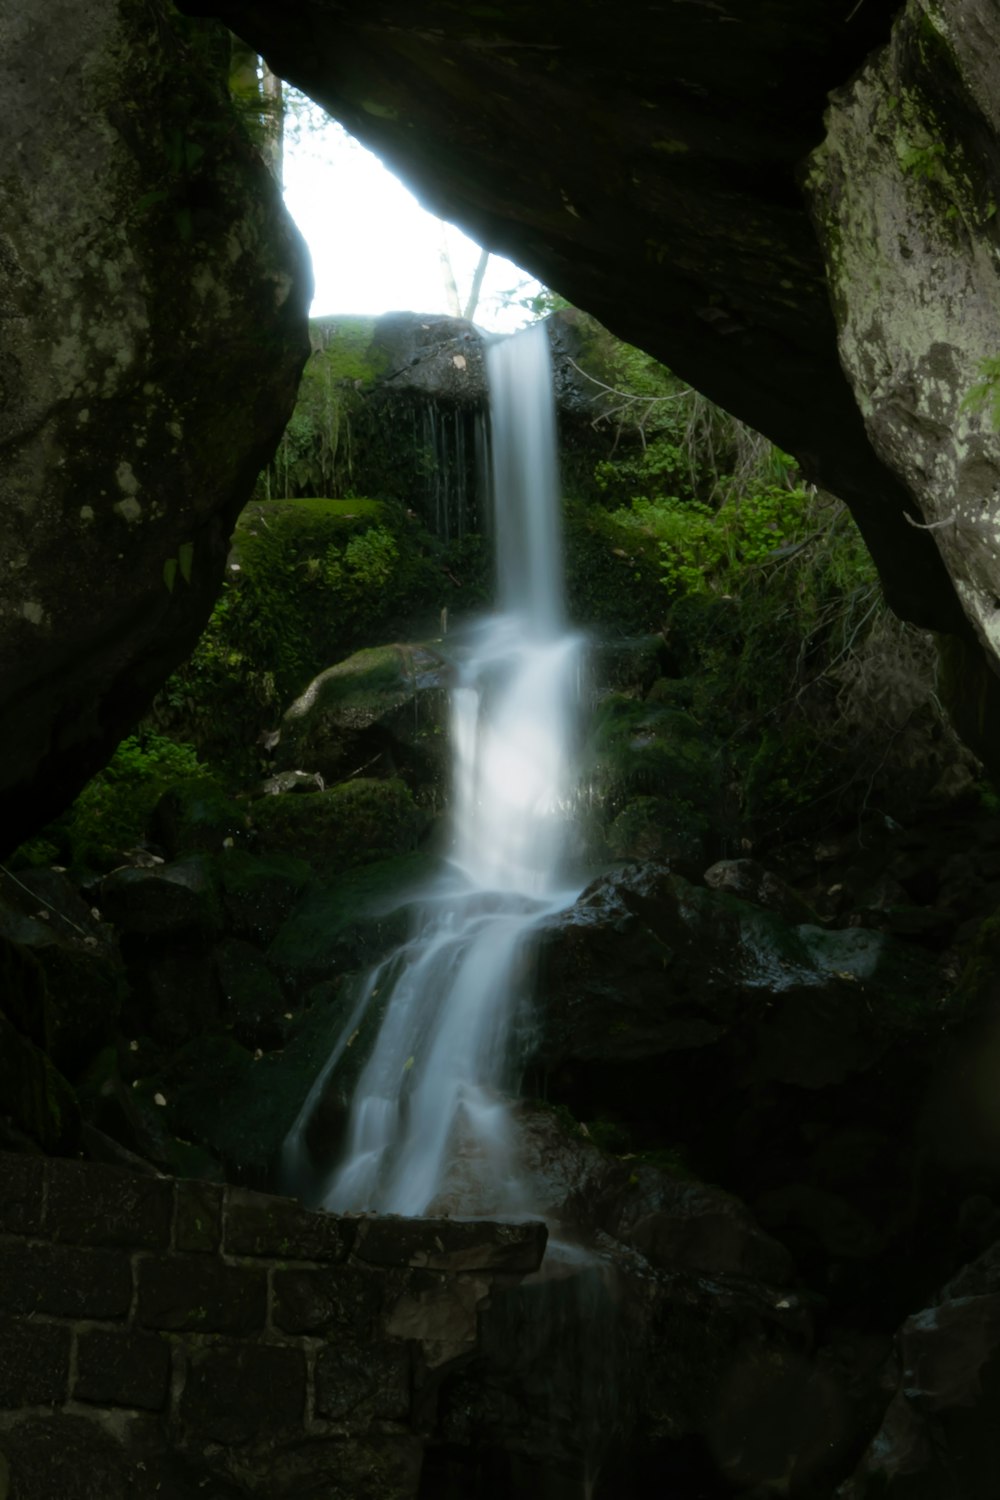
[{"x": 114, "y": 809}]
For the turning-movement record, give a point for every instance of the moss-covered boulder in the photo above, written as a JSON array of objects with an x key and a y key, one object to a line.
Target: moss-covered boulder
[
  {"x": 354, "y": 823},
  {"x": 393, "y": 407},
  {"x": 349, "y": 922},
  {"x": 386, "y": 705},
  {"x": 310, "y": 580}
]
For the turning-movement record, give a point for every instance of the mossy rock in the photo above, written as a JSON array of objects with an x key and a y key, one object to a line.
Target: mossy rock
[
  {"x": 197, "y": 816},
  {"x": 612, "y": 573},
  {"x": 259, "y": 892},
  {"x": 309, "y": 581},
  {"x": 631, "y": 665},
  {"x": 661, "y": 828},
  {"x": 252, "y": 996},
  {"x": 386, "y": 700},
  {"x": 303, "y": 524},
  {"x": 649, "y": 750},
  {"x": 355, "y": 823},
  {"x": 348, "y": 924}
]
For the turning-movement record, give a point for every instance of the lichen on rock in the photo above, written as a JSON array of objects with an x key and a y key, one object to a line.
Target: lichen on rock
[
  {"x": 154, "y": 296},
  {"x": 904, "y": 191}
]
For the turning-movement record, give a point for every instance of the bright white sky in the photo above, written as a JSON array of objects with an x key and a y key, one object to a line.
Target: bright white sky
[{"x": 374, "y": 249}]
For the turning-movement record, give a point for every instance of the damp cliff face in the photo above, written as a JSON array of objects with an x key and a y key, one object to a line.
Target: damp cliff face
[
  {"x": 905, "y": 190},
  {"x": 153, "y": 296},
  {"x": 683, "y": 174}
]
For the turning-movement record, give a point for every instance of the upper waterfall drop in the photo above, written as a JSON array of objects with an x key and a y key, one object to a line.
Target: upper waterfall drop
[
  {"x": 429, "y": 1126},
  {"x": 526, "y": 482}
]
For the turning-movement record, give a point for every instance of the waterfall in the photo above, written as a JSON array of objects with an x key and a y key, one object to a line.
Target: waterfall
[{"x": 429, "y": 1128}]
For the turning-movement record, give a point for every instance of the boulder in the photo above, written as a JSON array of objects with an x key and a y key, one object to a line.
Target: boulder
[
  {"x": 385, "y": 706},
  {"x": 154, "y": 295},
  {"x": 62, "y": 981},
  {"x": 351, "y": 824},
  {"x": 938, "y": 1434},
  {"x": 903, "y": 190},
  {"x": 163, "y": 900},
  {"x": 646, "y": 964}
]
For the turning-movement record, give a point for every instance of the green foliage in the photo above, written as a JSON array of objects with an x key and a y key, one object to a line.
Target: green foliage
[
  {"x": 314, "y": 580},
  {"x": 661, "y": 468},
  {"x": 704, "y": 548},
  {"x": 113, "y": 811},
  {"x": 367, "y": 563},
  {"x": 813, "y": 688},
  {"x": 986, "y": 392}
]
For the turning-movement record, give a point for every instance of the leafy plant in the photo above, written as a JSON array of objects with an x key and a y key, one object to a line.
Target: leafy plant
[
  {"x": 314, "y": 580},
  {"x": 112, "y": 812}
]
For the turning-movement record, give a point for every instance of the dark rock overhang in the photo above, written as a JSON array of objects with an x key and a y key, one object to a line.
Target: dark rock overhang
[{"x": 647, "y": 164}]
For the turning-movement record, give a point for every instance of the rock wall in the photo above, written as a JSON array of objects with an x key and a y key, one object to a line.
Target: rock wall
[
  {"x": 162, "y": 1337},
  {"x": 153, "y": 297},
  {"x": 905, "y": 190}
]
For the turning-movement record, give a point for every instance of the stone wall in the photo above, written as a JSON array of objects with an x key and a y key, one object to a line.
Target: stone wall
[{"x": 180, "y": 1338}]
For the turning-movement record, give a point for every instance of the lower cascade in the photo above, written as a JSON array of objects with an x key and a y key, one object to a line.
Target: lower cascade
[{"x": 429, "y": 1128}]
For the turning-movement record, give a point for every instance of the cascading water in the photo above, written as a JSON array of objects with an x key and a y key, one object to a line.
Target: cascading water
[{"x": 429, "y": 1127}]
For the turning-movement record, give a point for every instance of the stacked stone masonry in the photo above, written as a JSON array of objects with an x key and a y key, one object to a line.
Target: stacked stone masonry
[{"x": 171, "y": 1338}]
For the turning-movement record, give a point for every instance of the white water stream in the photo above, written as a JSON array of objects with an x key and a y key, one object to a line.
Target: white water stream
[{"x": 429, "y": 1125}]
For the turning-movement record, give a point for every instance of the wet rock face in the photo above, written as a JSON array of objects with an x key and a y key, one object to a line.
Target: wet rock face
[{"x": 153, "y": 296}]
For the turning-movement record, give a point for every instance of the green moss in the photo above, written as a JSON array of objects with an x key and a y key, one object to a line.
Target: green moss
[
  {"x": 114, "y": 812},
  {"x": 354, "y": 823},
  {"x": 259, "y": 892},
  {"x": 647, "y": 749},
  {"x": 612, "y": 573},
  {"x": 347, "y": 921},
  {"x": 315, "y": 579}
]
